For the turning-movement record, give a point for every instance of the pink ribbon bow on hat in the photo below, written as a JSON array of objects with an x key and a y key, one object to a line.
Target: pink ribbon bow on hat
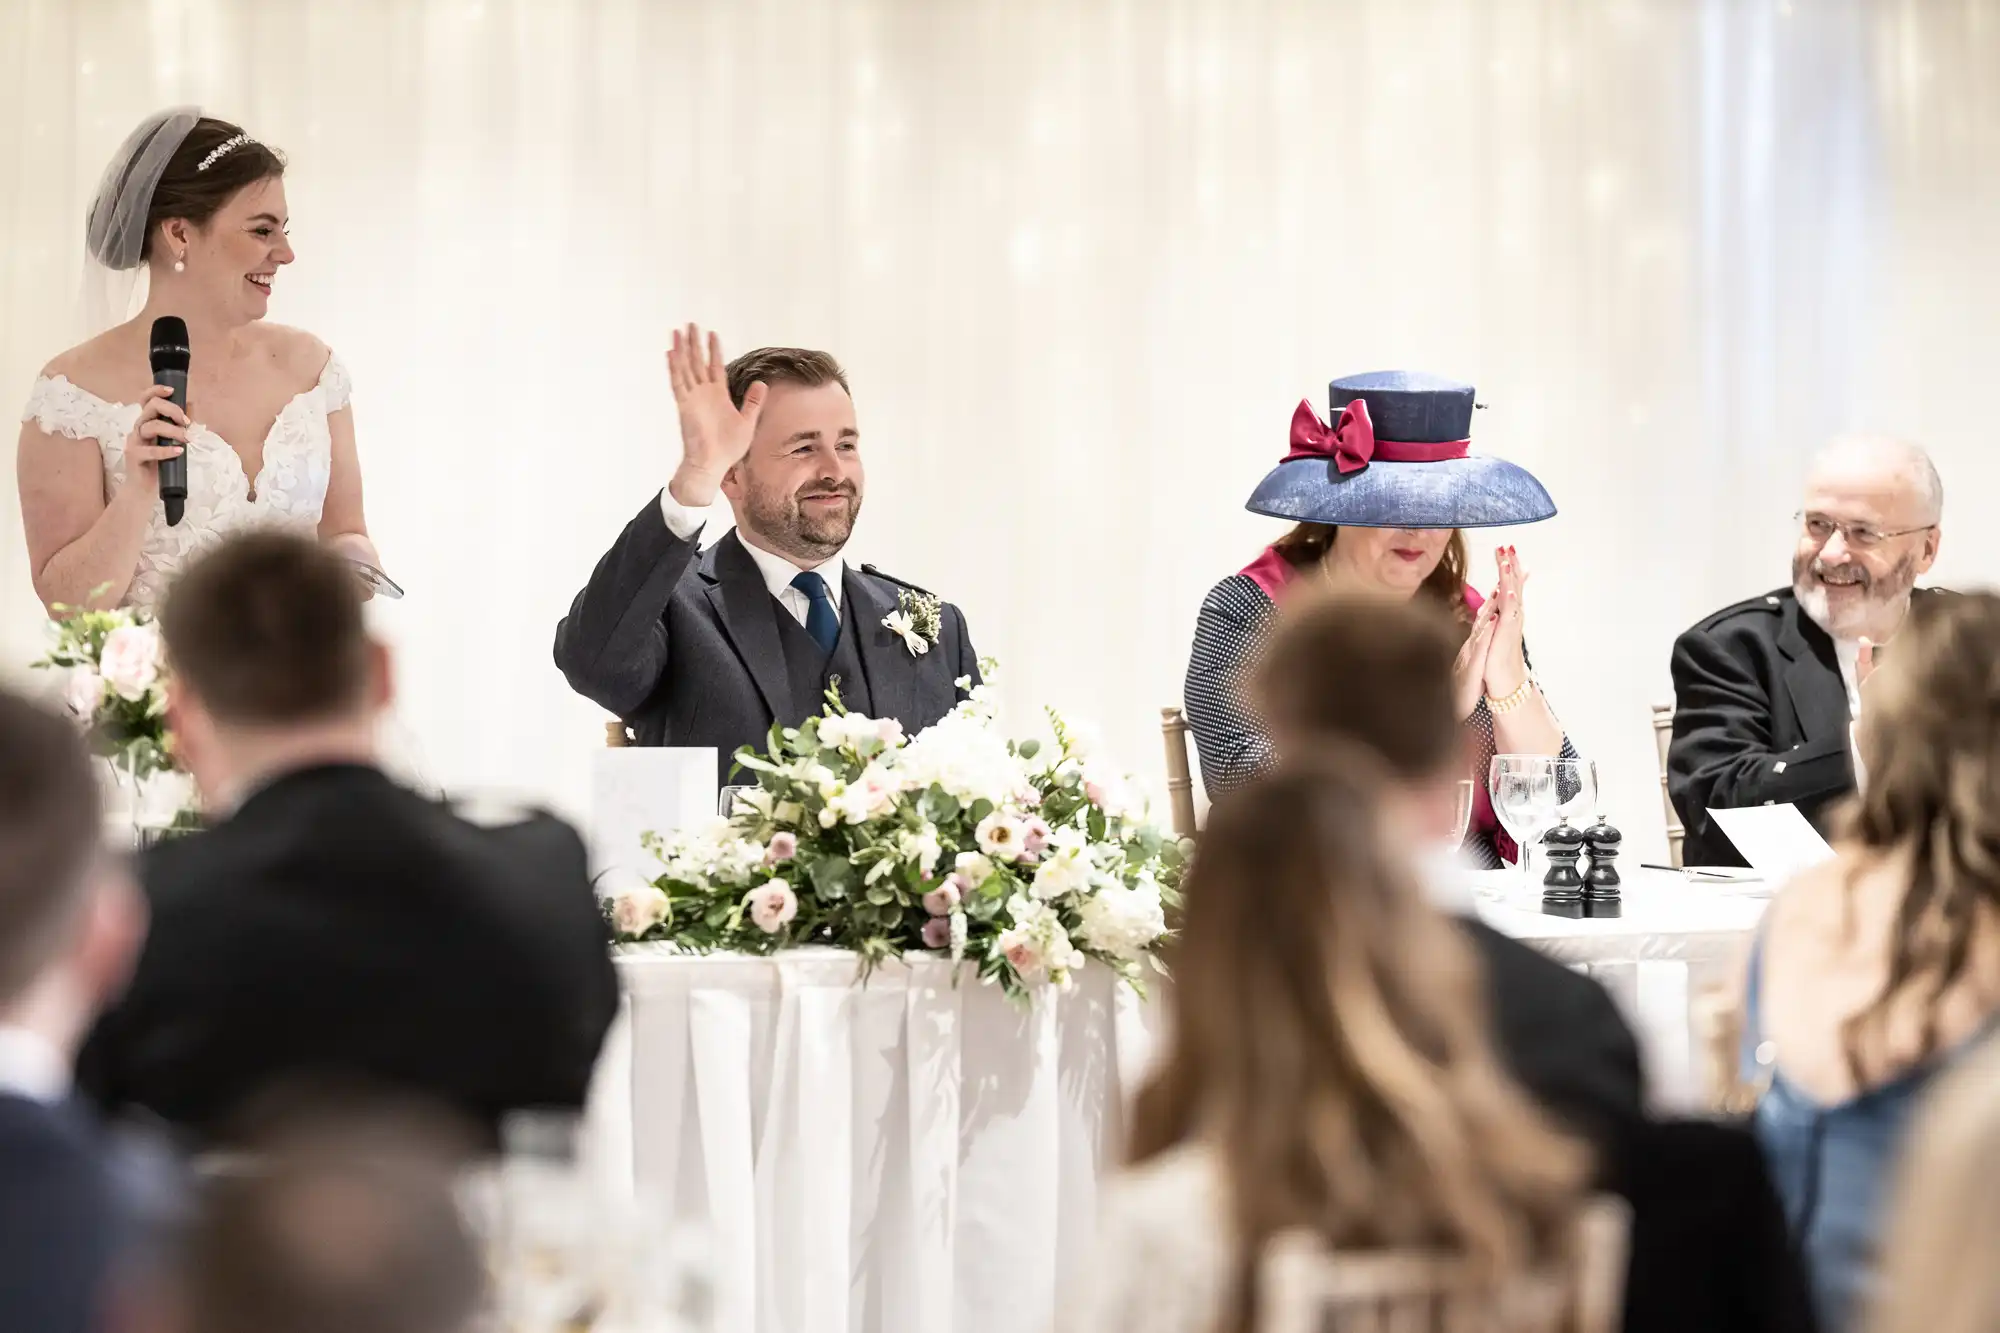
[{"x": 1350, "y": 442}]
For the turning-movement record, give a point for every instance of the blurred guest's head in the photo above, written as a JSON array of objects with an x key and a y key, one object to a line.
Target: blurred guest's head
[
  {"x": 1352, "y": 666},
  {"x": 1329, "y": 1040},
  {"x": 799, "y": 489},
  {"x": 1938, "y": 1272},
  {"x": 1929, "y": 738},
  {"x": 71, "y": 919},
  {"x": 1869, "y": 529},
  {"x": 343, "y": 1223},
  {"x": 273, "y": 667}
]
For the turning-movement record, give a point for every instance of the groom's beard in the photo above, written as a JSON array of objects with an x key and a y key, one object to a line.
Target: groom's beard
[{"x": 813, "y": 532}]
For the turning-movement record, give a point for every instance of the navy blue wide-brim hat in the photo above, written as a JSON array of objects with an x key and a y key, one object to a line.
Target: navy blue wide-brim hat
[{"x": 1397, "y": 456}]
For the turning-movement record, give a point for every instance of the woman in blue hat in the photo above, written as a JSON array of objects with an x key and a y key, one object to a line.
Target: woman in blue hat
[{"x": 1380, "y": 500}]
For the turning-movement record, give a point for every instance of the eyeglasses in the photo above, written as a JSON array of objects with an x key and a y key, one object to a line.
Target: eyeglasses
[{"x": 1859, "y": 536}]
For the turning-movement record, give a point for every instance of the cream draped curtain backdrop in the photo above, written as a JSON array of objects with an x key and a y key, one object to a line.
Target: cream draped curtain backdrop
[{"x": 1081, "y": 258}]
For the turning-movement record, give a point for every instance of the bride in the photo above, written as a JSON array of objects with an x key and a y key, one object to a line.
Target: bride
[{"x": 195, "y": 208}]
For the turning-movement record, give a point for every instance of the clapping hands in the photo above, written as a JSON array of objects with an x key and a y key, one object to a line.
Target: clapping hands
[{"x": 1493, "y": 660}]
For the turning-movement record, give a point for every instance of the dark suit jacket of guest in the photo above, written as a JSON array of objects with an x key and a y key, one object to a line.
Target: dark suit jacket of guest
[
  {"x": 1560, "y": 1035},
  {"x": 1710, "y": 1249},
  {"x": 687, "y": 648},
  {"x": 61, "y": 1227},
  {"x": 1709, "y": 1246},
  {"x": 339, "y": 928},
  {"x": 1760, "y": 718}
]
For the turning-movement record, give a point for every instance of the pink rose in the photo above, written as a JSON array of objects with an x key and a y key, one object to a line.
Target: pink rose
[
  {"x": 131, "y": 660},
  {"x": 636, "y": 911},
  {"x": 773, "y": 906},
  {"x": 937, "y": 933},
  {"x": 1023, "y": 956},
  {"x": 1093, "y": 792},
  {"x": 1034, "y": 835},
  {"x": 940, "y": 900},
  {"x": 784, "y": 846}
]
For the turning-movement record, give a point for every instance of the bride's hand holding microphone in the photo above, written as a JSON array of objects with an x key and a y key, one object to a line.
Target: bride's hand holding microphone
[
  {"x": 160, "y": 433},
  {"x": 715, "y": 433}
]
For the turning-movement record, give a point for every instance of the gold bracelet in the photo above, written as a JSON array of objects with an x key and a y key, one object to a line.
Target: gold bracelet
[{"x": 1513, "y": 700}]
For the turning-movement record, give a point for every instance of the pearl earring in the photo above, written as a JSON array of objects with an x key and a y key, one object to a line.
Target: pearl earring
[{"x": 180, "y": 265}]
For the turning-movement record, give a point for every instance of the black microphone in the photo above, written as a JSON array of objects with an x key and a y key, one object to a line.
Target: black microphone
[{"x": 170, "y": 367}]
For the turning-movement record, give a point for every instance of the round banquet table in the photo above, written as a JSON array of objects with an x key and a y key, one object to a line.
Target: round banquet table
[{"x": 922, "y": 1155}]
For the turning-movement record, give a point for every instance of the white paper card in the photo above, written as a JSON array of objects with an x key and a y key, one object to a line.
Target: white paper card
[
  {"x": 1776, "y": 839},
  {"x": 640, "y": 789}
]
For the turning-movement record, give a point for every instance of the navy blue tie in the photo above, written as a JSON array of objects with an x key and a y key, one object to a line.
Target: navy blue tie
[{"x": 822, "y": 621}]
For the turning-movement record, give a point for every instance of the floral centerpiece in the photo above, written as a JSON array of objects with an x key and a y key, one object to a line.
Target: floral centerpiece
[
  {"x": 1022, "y": 857},
  {"x": 115, "y": 686}
]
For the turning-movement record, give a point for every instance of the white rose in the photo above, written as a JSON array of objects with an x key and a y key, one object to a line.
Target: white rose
[
  {"x": 976, "y": 868},
  {"x": 84, "y": 692},
  {"x": 1121, "y": 922},
  {"x": 131, "y": 660},
  {"x": 638, "y": 910}
]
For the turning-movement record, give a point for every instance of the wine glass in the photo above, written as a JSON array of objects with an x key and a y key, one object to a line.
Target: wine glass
[
  {"x": 1576, "y": 791},
  {"x": 1523, "y": 787},
  {"x": 1463, "y": 796}
]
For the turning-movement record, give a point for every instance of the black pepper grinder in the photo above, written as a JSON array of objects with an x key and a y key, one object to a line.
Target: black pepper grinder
[
  {"x": 1562, "y": 887},
  {"x": 1600, "y": 887}
]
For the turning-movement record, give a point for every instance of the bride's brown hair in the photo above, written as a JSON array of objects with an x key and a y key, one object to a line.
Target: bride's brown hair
[
  {"x": 1329, "y": 1044},
  {"x": 188, "y": 190}
]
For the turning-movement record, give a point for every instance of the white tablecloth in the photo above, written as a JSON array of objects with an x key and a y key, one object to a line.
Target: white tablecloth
[
  {"x": 909, "y": 1157},
  {"x": 1677, "y": 939},
  {"x": 915, "y": 1157}
]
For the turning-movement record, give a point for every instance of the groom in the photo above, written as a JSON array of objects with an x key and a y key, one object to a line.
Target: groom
[{"x": 693, "y": 647}]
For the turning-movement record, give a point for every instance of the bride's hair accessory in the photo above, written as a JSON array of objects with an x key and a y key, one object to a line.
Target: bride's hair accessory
[{"x": 222, "y": 150}]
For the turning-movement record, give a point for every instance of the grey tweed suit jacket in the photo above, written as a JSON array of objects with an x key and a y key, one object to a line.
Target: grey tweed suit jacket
[{"x": 684, "y": 646}]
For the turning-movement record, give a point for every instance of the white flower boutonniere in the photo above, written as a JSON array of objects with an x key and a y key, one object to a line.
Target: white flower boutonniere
[{"x": 918, "y": 620}]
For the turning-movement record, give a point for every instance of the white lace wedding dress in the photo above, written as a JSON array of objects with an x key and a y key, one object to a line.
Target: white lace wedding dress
[{"x": 287, "y": 492}]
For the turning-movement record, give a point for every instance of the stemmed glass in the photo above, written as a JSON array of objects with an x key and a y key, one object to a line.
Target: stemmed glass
[
  {"x": 1523, "y": 788},
  {"x": 1576, "y": 791},
  {"x": 1532, "y": 793},
  {"x": 1464, "y": 794}
]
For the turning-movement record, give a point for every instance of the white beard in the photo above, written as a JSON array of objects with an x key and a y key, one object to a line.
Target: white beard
[{"x": 1812, "y": 601}]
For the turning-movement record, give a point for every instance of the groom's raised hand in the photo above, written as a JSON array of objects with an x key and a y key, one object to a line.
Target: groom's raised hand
[{"x": 715, "y": 433}]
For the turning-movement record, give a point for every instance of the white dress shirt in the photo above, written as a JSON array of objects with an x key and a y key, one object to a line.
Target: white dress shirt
[
  {"x": 1848, "y": 651},
  {"x": 778, "y": 572},
  {"x": 31, "y": 1068}
]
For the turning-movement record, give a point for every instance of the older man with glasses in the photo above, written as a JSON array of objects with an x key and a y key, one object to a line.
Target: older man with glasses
[{"x": 1765, "y": 691}]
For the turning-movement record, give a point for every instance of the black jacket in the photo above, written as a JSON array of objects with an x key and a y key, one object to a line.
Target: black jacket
[
  {"x": 341, "y": 929},
  {"x": 1760, "y": 718},
  {"x": 1709, "y": 1246},
  {"x": 1560, "y": 1035},
  {"x": 686, "y": 645}
]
